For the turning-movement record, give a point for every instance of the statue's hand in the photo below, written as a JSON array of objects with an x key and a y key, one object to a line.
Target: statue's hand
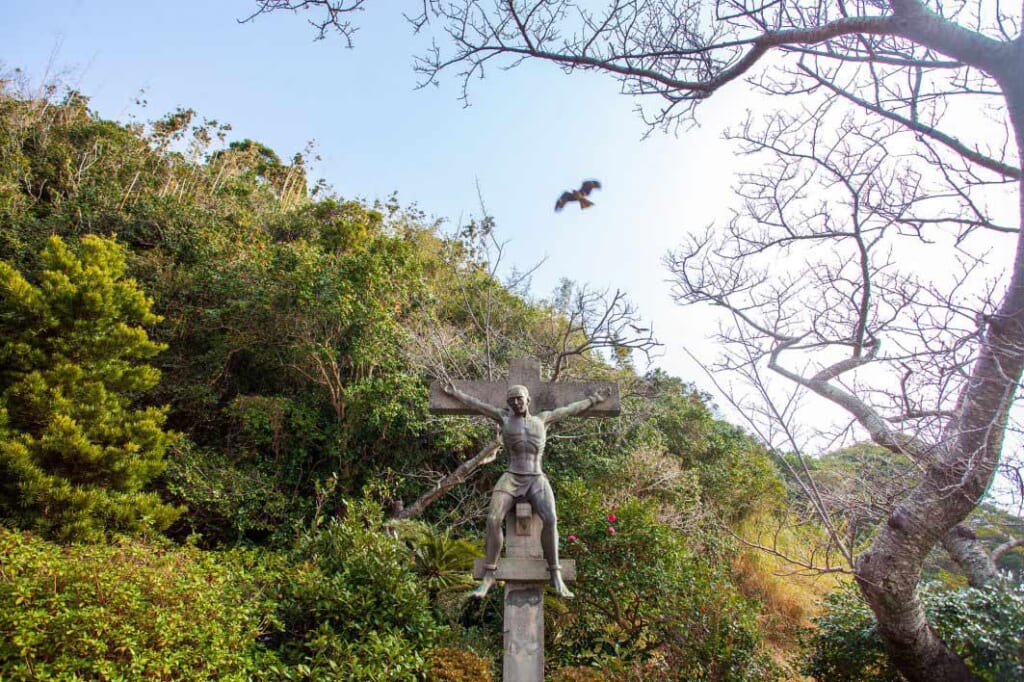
[
  {"x": 448, "y": 387},
  {"x": 600, "y": 395}
]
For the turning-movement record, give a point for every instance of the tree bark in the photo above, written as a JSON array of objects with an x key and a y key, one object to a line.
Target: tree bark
[
  {"x": 461, "y": 473},
  {"x": 964, "y": 548},
  {"x": 888, "y": 574},
  {"x": 958, "y": 479}
]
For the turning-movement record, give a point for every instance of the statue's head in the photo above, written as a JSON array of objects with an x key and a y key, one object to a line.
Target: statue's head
[{"x": 518, "y": 399}]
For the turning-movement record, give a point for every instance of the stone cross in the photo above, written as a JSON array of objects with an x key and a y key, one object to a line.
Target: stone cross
[
  {"x": 523, "y": 567},
  {"x": 544, "y": 395}
]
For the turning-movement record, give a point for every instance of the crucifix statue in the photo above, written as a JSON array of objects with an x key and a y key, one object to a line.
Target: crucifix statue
[{"x": 525, "y": 489}]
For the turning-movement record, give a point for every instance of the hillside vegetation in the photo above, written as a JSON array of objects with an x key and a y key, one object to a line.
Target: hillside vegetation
[{"x": 213, "y": 400}]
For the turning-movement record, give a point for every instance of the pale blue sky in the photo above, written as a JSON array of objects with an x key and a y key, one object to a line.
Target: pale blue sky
[{"x": 529, "y": 134}]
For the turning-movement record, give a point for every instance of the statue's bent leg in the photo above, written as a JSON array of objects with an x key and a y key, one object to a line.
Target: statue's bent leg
[
  {"x": 543, "y": 500},
  {"x": 501, "y": 503}
]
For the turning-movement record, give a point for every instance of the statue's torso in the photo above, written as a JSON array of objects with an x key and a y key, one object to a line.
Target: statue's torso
[{"x": 524, "y": 442}]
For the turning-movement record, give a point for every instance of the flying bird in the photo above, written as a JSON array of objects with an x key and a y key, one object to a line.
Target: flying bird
[{"x": 579, "y": 195}]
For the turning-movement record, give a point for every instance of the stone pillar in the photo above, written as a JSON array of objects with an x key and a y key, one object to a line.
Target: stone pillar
[
  {"x": 525, "y": 572},
  {"x": 524, "y": 600}
]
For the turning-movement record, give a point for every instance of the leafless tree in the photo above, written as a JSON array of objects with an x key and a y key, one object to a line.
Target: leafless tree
[
  {"x": 849, "y": 272},
  {"x": 585, "y": 321},
  {"x": 934, "y": 76},
  {"x": 861, "y": 268}
]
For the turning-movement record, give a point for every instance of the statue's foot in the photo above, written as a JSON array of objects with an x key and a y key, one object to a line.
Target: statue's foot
[
  {"x": 484, "y": 587},
  {"x": 560, "y": 589}
]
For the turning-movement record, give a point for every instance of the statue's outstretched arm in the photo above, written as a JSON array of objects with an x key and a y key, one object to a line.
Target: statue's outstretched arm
[
  {"x": 486, "y": 409},
  {"x": 575, "y": 408}
]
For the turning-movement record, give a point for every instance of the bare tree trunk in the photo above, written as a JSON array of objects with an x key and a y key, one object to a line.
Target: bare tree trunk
[
  {"x": 978, "y": 564},
  {"x": 958, "y": 478},
  {"x": 888, "y": 575},
  {"x": 1006, "y": 547},
  {"x": 461, "y": 473},
  {"x": 964, "y": 548}
]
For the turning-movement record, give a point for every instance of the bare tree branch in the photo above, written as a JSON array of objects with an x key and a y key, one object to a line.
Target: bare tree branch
[
  {"x": 334, "y": 14},
  {"x": 461, "y": 473}
]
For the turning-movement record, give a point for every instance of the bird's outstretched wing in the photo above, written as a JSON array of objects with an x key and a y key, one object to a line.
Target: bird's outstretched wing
[
  {"x": 563, "y": 200},
  {"x": 579, "y": 195}
]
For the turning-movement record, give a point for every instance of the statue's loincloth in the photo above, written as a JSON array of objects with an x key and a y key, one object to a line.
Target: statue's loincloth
[{"x": 524, "y": 486}]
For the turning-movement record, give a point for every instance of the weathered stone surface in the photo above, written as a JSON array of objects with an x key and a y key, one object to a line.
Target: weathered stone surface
[
  {"x": 524, "y": 633},
  {"x": 519, "y": 543},
  {"x": 523, "y": 568},
  {"x": 525, "y": 573},
  {"x": 524, "y": 518},
  {"x": 544, "y": 395}
]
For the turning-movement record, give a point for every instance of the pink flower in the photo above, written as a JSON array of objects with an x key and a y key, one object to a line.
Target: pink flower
[
  {"x": 612, "y": 518},
  {"x": 611, "y": 530},
  {"x": 572, "y": 538}
]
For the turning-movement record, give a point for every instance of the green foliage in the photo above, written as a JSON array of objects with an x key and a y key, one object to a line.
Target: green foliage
[
  {"x": 736, "y": 474},
  {"x": 227, "y": 498},
  {"x": 342, "y": 226},
  {"x": 129, "y": 612},
  {"x": 845, "y": 647},
  {"x": 351, "y": 605},
  {"x": 251, "y": 165},
  {"x": 62, "y": 172},
  {"x": 985, "y": 626},
  {"x": 301, "y": 332},
  {"x": 443, "y": 562},
  {"x": 451, "y": 664},
  {"x": 74, "y": 454},
  {"x": 304, "y": 343},
  {"x": 374, "y": 657},
  {"x": 645, "y": 595},
  {"x": 288, "y": 318}
]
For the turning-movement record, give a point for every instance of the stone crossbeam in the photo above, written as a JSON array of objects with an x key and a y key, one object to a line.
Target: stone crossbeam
[{"x": 544, "y": 395}]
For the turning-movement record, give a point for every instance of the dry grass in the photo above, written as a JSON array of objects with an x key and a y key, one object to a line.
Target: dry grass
[{"x": 789, "y": 594}]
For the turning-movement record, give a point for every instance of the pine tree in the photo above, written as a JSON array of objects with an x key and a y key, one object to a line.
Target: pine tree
[{"x": 75, "y": 454}]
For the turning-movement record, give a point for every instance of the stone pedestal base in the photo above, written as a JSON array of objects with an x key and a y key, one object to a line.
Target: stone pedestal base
[
  {"x": 525, "y": 573},
  {"x": 524, "y": 632}
]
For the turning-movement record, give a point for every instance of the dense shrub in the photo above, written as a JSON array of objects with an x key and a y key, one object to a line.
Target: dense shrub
[
  {"x": 75, "y": 450},
  {"x": 351, "y": 606},
  {"x": 129, "y": 612},
  {"x": 985, "y": 626},
  {"x": 451, "y": 664},
  {"x": 345, "y": 605},
  {"x": 648, "y": 599},
  {"x": 228, "y": 500},
  {"x": 578, "y": 674}
]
